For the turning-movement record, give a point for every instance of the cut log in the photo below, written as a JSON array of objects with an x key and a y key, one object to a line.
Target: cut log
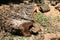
[
  {"x": 12, "y": 25},
  {"x": 23, "y": 25}
]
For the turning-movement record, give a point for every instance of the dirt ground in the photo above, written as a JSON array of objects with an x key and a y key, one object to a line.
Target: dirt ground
[{"x": 53, "y": 26}]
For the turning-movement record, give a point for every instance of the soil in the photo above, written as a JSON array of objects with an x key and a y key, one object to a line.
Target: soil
[{"x": 53, "y": 27}]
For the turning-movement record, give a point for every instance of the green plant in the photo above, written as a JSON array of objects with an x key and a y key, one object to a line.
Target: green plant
[{"x": 41, "y": 19}]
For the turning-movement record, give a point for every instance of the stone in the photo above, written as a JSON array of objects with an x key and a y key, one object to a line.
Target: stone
[{"x": 44, "y": 8}]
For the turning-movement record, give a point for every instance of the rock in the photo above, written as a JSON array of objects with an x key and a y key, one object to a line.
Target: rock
[
  {"x": 57, "y": 7},
  {"x": 44, "y": 8}
]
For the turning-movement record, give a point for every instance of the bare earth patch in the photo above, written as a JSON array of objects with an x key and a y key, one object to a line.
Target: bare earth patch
[{"x": 52, "y": 36}]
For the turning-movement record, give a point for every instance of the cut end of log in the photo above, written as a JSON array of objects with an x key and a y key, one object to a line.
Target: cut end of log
[
  {"x": 25, "y": 28},
  {"x": 22, "y": 25}
]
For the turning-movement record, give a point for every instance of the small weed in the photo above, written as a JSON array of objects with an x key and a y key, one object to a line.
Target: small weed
[{"x": 41, "y": 19}]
